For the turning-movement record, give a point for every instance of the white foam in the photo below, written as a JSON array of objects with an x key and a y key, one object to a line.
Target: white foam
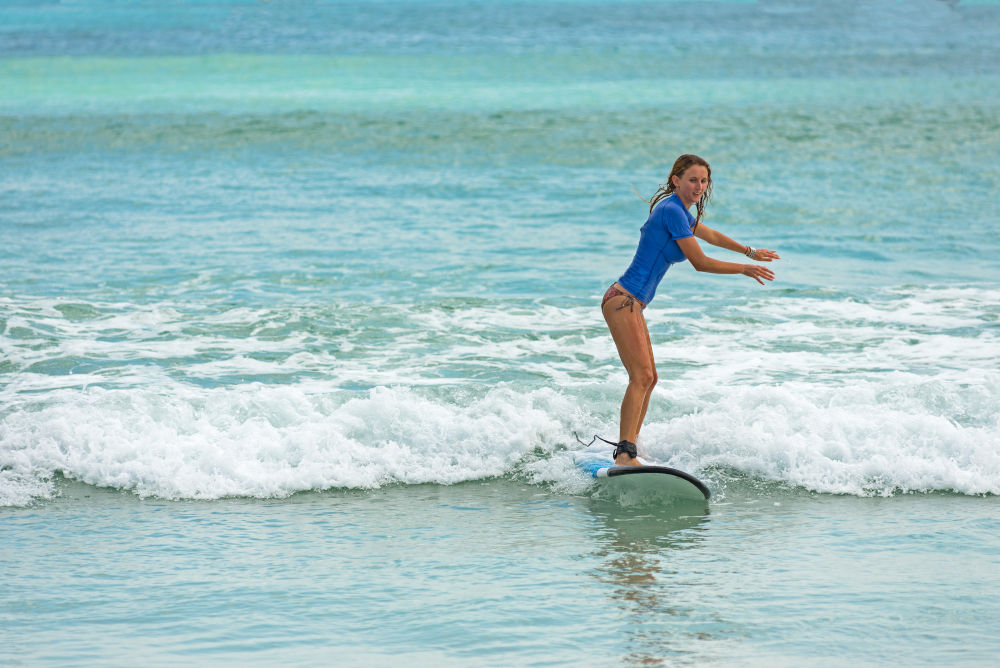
[
  {"x": 871, "y": 438},
  {"x": 21, "y": 487},
  {"x": 265, "y": 441},
  {"x": 897, "y": 393}
]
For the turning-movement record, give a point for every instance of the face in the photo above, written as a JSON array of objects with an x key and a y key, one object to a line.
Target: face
[{"x": 691, "y": 184}]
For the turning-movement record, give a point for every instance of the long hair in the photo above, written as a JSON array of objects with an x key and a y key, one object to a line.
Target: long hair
[{"x": 681, "y": 165}]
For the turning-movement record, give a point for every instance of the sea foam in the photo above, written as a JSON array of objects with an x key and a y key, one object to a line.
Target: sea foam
[
  {"x": 895, "y": 393},
  {"x": 261, "y": 441},
  {"x": 272, "y": 441}
]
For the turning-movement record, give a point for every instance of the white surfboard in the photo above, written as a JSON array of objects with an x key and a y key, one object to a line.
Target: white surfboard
[{"x": 643, "y": 483}]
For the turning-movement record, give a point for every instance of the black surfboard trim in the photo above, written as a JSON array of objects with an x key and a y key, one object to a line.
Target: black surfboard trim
[{"x": 627, "y": 470}]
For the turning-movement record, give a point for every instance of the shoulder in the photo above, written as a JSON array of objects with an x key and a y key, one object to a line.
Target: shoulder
[
  {"x": 671, "y": 207},
  {"x": 672, "y": 214}
]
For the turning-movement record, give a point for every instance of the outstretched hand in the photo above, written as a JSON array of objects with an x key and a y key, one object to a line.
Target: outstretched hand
[
  {"x": 764, "y": 255},
  {"x": 758, "y": 273}
]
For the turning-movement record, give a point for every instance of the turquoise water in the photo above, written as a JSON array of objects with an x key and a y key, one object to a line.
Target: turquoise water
[{"x": 298, "y": 315}]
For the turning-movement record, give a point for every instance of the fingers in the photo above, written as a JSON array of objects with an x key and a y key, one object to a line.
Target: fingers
[
  {"x": 758, "y": 273},
  {"x": 765, "y": 255}
]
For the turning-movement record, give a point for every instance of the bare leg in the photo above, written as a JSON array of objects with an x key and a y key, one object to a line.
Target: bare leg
[
  {"x": 649, "y": 392},
  {"x": 631, "y": 336}
]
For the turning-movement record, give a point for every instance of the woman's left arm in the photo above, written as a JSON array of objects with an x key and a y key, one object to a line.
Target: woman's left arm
[{"x": 716, "y": 238}]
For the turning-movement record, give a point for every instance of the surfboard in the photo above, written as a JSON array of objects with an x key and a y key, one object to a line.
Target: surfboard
[{"x": 646, "y": 482}]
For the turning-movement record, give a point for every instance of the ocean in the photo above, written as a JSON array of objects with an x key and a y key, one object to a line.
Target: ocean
[{"x": 299, "y": 324}]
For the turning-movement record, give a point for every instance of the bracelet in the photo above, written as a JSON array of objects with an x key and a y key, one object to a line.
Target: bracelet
[{"x": 750, "y": 251}]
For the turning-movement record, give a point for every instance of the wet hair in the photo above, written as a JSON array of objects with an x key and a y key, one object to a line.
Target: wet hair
[{"x": 681, "y": 165}]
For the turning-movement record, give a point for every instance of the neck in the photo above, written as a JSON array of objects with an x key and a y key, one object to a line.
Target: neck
[{"x": 687, "y": 203}]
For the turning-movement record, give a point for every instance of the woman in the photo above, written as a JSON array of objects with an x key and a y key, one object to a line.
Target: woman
[{"x": 667, "y": 237}]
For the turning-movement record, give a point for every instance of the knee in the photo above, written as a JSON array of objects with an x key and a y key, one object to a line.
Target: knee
[{"x": 645, "y": 378}]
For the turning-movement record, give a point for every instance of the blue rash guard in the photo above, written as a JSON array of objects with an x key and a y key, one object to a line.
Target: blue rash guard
[{"x": 658, "y": 249}]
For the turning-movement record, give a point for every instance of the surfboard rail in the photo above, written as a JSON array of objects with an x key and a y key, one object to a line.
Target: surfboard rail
[
  {"x": 629, "y": 470},
  {"x": 603, "y": 468}
]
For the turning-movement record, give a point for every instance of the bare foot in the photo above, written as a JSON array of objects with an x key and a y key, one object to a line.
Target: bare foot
[{"x": 624, "y": 460}]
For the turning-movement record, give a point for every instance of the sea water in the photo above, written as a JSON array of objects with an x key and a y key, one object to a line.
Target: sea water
[{"x": 299, "y": 317}]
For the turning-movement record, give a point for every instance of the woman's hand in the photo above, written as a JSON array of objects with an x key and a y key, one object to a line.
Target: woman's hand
[
  {"x": 758, "y": 273},
  {"x": 764, "y": 255}
]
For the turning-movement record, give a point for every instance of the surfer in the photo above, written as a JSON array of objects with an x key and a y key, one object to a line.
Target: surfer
[{"x": 667, "y": 237}]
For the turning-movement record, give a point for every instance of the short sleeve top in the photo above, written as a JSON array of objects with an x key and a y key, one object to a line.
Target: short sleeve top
[{"x": 668, "y": 221}]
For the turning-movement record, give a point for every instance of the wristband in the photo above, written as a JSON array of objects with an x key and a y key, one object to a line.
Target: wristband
[{"x": 750, "y": 251}]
